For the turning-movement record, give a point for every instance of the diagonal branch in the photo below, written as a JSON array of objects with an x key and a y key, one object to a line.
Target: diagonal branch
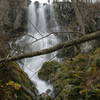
[
  {"x": 55, "y": 33},
  {"x": 83, "y": 39}
]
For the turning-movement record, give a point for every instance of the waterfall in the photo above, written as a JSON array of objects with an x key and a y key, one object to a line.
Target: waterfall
[{"x": 37, "y": 28}]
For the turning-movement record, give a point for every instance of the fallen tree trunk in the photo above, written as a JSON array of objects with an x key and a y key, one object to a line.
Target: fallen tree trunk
[{"x": 83, "y": 39}]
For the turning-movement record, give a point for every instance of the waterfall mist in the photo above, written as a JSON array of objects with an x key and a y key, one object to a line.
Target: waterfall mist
[{"x": 37, "y": 28}]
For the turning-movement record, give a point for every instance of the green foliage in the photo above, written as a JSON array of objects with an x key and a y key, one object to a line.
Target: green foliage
[
  {"x": 48, "y": 71},
  {"x": 98, "y": 62},
  {"x": 14, "y": 85},
  {"x": 11, "y": 80},
  {"x": 76, "y": 79}
]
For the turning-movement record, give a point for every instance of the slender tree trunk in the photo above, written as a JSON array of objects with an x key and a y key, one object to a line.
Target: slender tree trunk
[{"x": 78, "y": 16}]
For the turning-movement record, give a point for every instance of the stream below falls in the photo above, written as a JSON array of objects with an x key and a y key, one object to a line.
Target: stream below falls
[{"x": 37, "y": 28}]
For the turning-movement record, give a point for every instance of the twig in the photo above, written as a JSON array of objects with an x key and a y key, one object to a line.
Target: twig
[
  {"x": 35, "y": 27},
  {"x": 51, "y": 34},
  {"x": 83, "y": 39}
]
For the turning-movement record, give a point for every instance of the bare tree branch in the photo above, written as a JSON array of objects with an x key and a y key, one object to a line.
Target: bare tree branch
[
  {"x": 55, "y": 33},
  {"x": 32, "y": 36},
  {"x": 40, "y": 38},
  {"x": 83, "y": 39},
  {"x": 38, "y": 31}
]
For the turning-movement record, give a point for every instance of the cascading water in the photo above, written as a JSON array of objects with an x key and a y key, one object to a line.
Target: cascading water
[{"x": 37, "y": 28}]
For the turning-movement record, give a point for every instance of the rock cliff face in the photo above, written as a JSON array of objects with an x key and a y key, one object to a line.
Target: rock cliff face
[
  {"x": 67, "y": 19},
  {"x": 12, "y": 15},
  {"x": 66, "y": 16}
]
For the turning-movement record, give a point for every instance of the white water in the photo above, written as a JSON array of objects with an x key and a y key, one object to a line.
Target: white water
[{"x": 33, "y": 65}]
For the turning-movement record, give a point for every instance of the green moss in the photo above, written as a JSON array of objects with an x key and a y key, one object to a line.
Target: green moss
[
  {"x": 76, "y": 79},
  {"x": 57, "y": 98},
  {"x": 98, "y": 62},
  {"x": 11, "y": 72},
  {"x": 23, "y": 96},
  {"x": 49, "y": 70},
  {"x": 93, "y": 94}
]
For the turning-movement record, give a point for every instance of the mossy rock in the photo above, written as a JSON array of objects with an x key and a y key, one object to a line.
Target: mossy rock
[
  {"x": 48, "y": 70},
  {"x": 11, "y": 72},
  {"x": 76, "y": 79}
]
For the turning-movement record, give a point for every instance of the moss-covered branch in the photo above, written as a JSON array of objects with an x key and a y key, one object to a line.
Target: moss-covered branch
[{"x": 83, "y": 39}]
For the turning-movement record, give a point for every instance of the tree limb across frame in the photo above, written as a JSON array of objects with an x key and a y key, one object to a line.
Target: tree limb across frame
[{"x": 83, "y": 39}]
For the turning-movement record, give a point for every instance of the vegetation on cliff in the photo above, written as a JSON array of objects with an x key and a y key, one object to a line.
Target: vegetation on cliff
[
  {"x": 76, "y": 78},
  {"x": 12, "y": 81}
]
